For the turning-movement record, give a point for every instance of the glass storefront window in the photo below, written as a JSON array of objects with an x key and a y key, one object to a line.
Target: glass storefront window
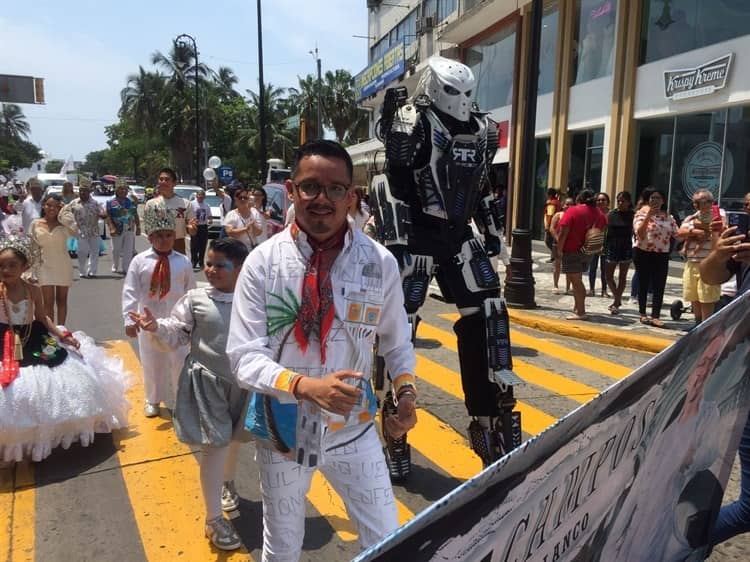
[
  {"x": 586, "y": 159},
  {"x": 595, "y": 39},
  {"x": 697, "y": 151},
  {"x": 539, "y": 195},
  {"x": 492, "y": 63},
  {"x": 670, "y": 27},
  {"x": 548, "y": 48}
]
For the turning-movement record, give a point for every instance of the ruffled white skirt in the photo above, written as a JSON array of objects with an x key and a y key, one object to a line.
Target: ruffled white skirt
[{"x": 49, "y": 407}]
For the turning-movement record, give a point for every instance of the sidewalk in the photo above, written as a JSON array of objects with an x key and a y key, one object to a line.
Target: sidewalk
[{"x": 623, "y": 329}]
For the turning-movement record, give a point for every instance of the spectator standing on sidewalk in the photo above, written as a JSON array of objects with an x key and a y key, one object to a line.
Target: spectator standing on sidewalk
[
  {"x": 258, "y": 206},
  {"x": 574, "y": 224},
  {"x": 32, "y": 205},
  {"x": 618, "y": 246},
  {"x": 551, "y": 207},
  {"x": 654, "y": 229},
  {"x": 85, "y": 213},
  {"x": 554, "y": 228},
  {"x": 700, "y": 230},
  {"x": 124, "y": 226},
  {"x": 599, "y": 260},
  {"x": 202, "y": 213},
  {"x": 177, "y": 206},
  {"x": 731, "y": 256}
]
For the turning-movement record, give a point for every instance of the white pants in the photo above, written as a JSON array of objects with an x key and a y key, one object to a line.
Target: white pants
[
  {"x": 88, "y": 255},
  {"x": 161, "y": 369},
  {"x": 356, "y": 471},
  {"x": 122, "y": 248}
]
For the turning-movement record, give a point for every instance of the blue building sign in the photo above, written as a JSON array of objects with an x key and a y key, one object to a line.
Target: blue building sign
[{"x": 380, "y": 73}]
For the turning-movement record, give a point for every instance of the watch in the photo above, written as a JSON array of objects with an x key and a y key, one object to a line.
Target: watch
[{"x": 405, "y": 393}]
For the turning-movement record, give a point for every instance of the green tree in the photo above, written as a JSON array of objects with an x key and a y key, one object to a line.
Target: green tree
[
  {"x": 53, "y": 166},
  {"x": 13, "y": 122},
  {"x": 141, "y": 99},
  {"x": 339, "y": 108},
  {"x": 279, "y": 139},
  {"x": 305, "y": 99},
  {"x": 15, "y": 154}
]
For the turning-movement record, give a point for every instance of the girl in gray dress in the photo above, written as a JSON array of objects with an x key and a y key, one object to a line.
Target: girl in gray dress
[{"x": 210, "y": 405}]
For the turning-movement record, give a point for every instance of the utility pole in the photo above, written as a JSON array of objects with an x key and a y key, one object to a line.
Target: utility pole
[
  {"x": 262, "y": 100},
  {"x": 320, "y": 93}
]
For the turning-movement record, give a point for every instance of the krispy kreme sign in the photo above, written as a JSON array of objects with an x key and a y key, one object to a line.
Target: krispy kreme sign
[{"x": 699, "y": 81}]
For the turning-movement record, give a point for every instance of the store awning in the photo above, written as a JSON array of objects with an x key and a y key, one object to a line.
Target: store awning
[{"x": 502, "y": 156}]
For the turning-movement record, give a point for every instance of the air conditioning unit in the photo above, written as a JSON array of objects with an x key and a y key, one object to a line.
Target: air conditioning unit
[{"x": 373, "y": 4}]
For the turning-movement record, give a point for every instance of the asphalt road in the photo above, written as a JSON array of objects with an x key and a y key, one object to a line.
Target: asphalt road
[{"x": 134, "y": 495}]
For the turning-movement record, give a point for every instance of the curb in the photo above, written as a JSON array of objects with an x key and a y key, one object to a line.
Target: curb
[{"x": 581, "y": 330}]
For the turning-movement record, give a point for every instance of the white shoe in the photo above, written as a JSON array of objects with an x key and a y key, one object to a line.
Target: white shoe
[
  {"x": 222, "y": 534},
  {"x": 230, "y": 499},
  {"x": 114, "y": 269},
  {"x": 151, "y": 410}
]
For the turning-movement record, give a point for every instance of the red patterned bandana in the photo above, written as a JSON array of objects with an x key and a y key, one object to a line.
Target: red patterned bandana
[
  {"x": 161, "y": 276},
  {"x": 316, "y": 309}
]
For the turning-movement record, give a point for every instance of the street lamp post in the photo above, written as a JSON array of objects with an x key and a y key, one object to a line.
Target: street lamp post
[
  {"x": 261, "y": 99},
  {"x": 181, "y": 40},
  {"x": 320, "y": 93}
]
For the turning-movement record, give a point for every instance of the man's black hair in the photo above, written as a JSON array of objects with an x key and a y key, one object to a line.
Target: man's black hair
[
  {"x": 233, "y": 249},
  {"x": 552, "y": 192},
  {"x": 326, "y": 148},
  {"x": 170, "y": 171}
]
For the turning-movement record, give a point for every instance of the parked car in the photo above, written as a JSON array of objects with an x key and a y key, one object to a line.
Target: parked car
[
  {"x": 277, "y": 203},
  {"x": 213, "y": 201},
  {"x": 186, "y": 191},
  {"x": 137, "y": 193}
]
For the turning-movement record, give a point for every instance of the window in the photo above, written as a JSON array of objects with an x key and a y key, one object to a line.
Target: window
[
  {"x": 406, "y": 31},
  {"x": 379, "y": 48},
  {"x": 445, "y": 8},
  {"x": 710, "y": 152},
  {"x": 548, "y": 48},
  {"x": 492, "y": 62},
  {"x": 586, "y": 157},
  {"x": 670, "y": 27},
  {"x": 595, "y": 39}
]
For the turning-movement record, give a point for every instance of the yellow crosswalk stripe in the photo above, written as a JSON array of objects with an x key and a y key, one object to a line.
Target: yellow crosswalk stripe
[
  {"x": 17, "y": 503},
  {"x": 163, "y": 481},
  {"x": 601, "y": 366},
  {"x": 548, "y": 380},
  {"x": 444, "y": 446},
  {"x": 533, "y": 420}
]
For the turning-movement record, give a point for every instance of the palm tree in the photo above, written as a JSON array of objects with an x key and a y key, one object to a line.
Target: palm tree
[
  {"x": 13, "y": 123},
  {"x": 141, "y": 101},
  {"x": 340, "y": 109},
  {"x": 178, "y": 102},
  {"x": 225, "y": 80},
  {"x": 305, "y": 98},
  {"x": 278, "y": 137}
]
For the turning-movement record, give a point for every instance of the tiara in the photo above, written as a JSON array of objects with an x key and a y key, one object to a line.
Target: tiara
[{"x": 24, "y": 244}]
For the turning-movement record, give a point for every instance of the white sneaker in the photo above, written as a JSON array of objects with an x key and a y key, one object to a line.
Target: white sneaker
[
  {"x": 230, "y": 499},
  {"x": 222, "y": 534},
  {"x": 114, "y": 269},
  {"x": 151, "y": 410}
]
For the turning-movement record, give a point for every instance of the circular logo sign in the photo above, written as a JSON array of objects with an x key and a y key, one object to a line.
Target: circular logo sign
[{"x": 702, "y": 169}]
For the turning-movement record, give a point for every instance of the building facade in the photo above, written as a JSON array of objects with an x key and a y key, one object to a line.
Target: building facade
[{"x": 631, "y": 93}]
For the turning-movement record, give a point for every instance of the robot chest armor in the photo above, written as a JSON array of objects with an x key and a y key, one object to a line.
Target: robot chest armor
[{"x": 449, "y": 185}]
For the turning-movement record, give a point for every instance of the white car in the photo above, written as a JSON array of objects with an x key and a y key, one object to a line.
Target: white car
[{"x": 137, "y": 193}]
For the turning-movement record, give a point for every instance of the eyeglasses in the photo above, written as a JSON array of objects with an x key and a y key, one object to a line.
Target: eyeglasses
[{"x": 309, "y": 190}]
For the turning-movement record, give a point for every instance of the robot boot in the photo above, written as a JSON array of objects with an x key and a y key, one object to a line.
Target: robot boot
[{"x": 397, "y": 451}]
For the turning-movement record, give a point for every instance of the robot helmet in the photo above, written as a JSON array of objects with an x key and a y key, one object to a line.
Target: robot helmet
[{"x": 449, "y": 84}]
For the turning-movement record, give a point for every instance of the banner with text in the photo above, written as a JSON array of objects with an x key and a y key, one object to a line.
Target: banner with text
[
  {"x": 636, "y": 474},
  {"x": 380, "y": 73}
]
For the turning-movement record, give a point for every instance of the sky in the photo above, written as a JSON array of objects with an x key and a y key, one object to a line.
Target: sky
[{"x": 85, "y": 51}]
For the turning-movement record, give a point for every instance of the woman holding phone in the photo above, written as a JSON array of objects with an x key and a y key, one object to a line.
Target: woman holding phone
[{"x": 654, "y": 228}]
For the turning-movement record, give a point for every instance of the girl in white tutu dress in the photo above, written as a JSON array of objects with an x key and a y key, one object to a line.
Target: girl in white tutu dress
[{"x": 55, "y": 387}]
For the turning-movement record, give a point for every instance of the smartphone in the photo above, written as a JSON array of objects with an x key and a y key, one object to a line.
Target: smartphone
[{"x": 741, "y": 220}]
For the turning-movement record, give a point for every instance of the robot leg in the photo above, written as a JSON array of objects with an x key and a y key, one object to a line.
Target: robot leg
[
  {"x": 485, "y": 359},
  {"x": 416, "y": 272}
]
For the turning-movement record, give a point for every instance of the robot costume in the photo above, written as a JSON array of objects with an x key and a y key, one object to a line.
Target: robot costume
[{"x": 438, "y": 149}]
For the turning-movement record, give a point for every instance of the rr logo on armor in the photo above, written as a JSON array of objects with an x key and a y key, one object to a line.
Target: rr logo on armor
[{"x": 465, "y": 154}]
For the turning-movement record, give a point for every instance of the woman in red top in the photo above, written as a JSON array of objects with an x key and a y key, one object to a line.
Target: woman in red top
[{"x": 654, "y": 228}]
